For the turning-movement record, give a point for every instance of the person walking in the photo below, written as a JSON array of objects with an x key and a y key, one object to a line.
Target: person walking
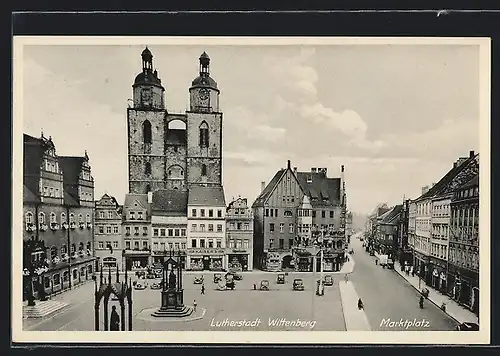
[
  {"x": 202, "y": 289},
  {"x": 194, "y": 305}
]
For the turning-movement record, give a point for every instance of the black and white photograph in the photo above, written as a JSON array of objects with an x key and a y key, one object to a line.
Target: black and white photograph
[{"x": 254, "y": 189}]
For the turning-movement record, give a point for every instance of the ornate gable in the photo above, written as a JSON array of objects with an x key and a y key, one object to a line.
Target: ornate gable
[{"x": 469, "y": 171}]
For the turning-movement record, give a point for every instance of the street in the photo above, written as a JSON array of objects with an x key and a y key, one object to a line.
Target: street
[
  {"x": 389, "y": 298},
  {"x": 242, "y": 303}
]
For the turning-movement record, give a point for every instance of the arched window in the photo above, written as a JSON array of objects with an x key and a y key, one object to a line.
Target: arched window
[
  {"x": 147, "y": 169},
  {"x": 89, "y": 246},
  {"x": 80, "y": 246},
  {"x": 63, "y": 218},
  {"x": 73, "y": 248},
  {"x": 53, "y": 219},
  {"x": 71, "y": 218},
  {"x": 80, "y": 218},
  {"x": 53, "y": 252},
  {"x": 64, "y": 249},
  {"x": 288, "y": 214},
  {"x": 175, "y": 171},
  {"x": 29, "y": 218},
  {"x": 41, "y": 218},
  {"x": 146, "y": 131},
  {"x": 204, "y": 142},
  {"x": 204, "y": 170},
  {"x": 87, "y": 218}
]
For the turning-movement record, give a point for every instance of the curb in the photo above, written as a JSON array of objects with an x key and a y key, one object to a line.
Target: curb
[{"x": 429, "y": 299}]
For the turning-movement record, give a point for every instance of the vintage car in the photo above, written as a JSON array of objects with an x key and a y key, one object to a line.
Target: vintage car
[
  {"x": 468, "y": 326},
  {"x": 140, "y": 274},
  {"x": 221, "y": 285},
  {"x": 298, "y": 284},
  {"x": 264, "y": 285},
  {"x": 150, "y": 275},
  {"x": 198, "y": 280},
  {"x": 156, "y": 286},
  {"x": 217, "y": 277},
  {"x": 280, "y": 279},
  {"x": 328, "y": 280},
  {"x": 230, "y": 281},
  {"x": 140, "y": 285}
]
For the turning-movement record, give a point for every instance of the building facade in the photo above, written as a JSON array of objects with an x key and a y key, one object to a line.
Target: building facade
[
  {"x": 386, "y": 238},
  {"x": 136, "y": 230},
  {"x": 207, "y": 229},
  {"x": 412, "y": 226},
  {"x": 463, "y": 266},
  {"x": 108, "y": 240},
  {"x": 58, "y": 206},
  {"x": 404, "y": 253},
  {"x": 438, "y": 258},
  {"x": 239, "y": 232},
  {"x": 178, "y": 158},
  {"x": 280, "y": 234}
]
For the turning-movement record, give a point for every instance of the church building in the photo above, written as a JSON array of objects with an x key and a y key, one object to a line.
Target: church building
[{"x": 170, "y": 163}]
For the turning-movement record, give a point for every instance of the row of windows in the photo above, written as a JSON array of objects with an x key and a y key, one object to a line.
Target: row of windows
[
  {"x": 169, "y": 232},
  {"x": 194, "y": 228},
  {"x": 472, "y": 192},
  {"x": 56, "y": 279},
  {"x": 51, "y": 192},
  {"x": 466, "y": 235},
  {"x": 115, "y": 229},
  {"x": 170, "y": 246},
  {"x": 465, "y": 216},
  {"x": 194, "y": 213},
  {"x": 102, "y": 214},
  {"x": 442, "y": 210},
  {"x": 204, "y": 133},
  {"x": 464, "y": 258},
  {"x": 239, "y": 243},
  {"x": 239, "y": 211},
  {"x": 439, "y": 251},
  {"x": 273, "y": 213},
  {"x": 100, "y": 244},
  {"x": 239, "y": 226},
  {"x": 51, "y": 166},
  {"x": 64, "y": 250},
  {"x": 136, "y": 230},
  {"x": 209, "y": 243},
  {"x": 282, "y": 227},
  {"x": 131, "y": 215},
  {"x": 53, "y": 218},
  {"x": 136, "y": 245},
  {"x": 423, "y": 208},
  {"x": 281, "y": 243}
]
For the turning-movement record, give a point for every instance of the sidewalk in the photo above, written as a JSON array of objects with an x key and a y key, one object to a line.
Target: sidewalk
[
  {"x": 355, "y": 319},
  {"x": 453, "y": 309}
]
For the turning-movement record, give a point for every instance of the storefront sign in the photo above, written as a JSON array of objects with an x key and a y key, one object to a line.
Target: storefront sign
[
  {"x": 205, "y": 251},
  {"x": 238, "y": 250}
]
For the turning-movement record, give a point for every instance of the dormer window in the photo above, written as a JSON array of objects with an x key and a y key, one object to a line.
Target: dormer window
[
  {"x": 132, "y": 215},
  {"x": 288, "y": 214},
  {"x": 139, "y": 215},
  {"x": 309, "y": 179}
]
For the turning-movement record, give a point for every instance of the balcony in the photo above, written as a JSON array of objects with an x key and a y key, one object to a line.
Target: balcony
[
  {"x": 54, "y": 226},
  {"x": 81, "y": 225},
  {"x": 56, "y": 260},
  {"x": 65, "y": 226},
  {"x": 72, "y": 225},
  {"x": 43, "y": 227},
  {"x": 30, "y": 227},
  {"x": 89, "y": 225}
]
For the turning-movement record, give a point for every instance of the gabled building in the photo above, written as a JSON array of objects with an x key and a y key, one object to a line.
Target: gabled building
[
  {"x": 281, "y": 235},
  {"x": 58, "y": 204},
  {"x": 239, "y": 232},
  {"x": 108, "y": 233},
  {"x": 136, "y": 230}
]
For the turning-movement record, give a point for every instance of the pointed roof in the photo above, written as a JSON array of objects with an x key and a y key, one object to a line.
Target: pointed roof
[
  {"x": 391, "y": 216},
  {"x": 266, "y": 193},
  {"x": 29, "y": 196},
  {"x": 130, "y": 200},
  {"x": 170, "y": 201},
  {"x": 322, "y": 191},
  {"x": 474, "y": 182}
]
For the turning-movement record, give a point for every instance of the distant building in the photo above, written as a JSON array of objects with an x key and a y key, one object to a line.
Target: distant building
[
  {"x": 404, "y": 252},
  {"x": 463, "y": 261},
  {"x": 276, "y": 220},
  {"x": 239, "y": 232},
  {"x": 58, "y": 206},
  {"x": 386, "y": 238},
  {"x": 108, "y": 239}
]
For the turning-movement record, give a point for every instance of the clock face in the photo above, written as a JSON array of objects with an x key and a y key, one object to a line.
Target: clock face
[{"x": 204, "y": 94}]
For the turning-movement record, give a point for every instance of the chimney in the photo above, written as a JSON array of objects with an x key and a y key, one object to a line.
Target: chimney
[
  {"x": 342, "y": 183},
  {"x": 295, "y": 170},
  {"x": 150, "y": 197},
  {"x": 313, "y": 170},
  {"x": 471, "y": 154},
  {"x": 288, "y": 164},
  {"x": 262, "y": 186}
]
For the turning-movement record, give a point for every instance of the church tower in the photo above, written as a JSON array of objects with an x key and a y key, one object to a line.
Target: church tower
[
  {"x": 204, "y": 127},
  {"x": 146, "y": 130}
]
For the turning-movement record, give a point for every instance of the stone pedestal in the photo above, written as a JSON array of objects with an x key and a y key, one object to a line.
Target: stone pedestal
[{"x": 172, "y": 305}]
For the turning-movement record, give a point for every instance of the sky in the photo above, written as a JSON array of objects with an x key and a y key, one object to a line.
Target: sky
[{"x": 396, "y": 116}]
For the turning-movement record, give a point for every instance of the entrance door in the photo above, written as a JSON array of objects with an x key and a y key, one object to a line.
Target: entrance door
[{"x": 206, "y": 263}]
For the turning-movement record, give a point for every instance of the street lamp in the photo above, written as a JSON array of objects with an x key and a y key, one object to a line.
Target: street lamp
[{"x": 35, "y": 265}]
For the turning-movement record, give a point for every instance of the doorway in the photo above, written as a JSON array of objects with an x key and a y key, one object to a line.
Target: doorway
[{"x": 206, "y": 263}]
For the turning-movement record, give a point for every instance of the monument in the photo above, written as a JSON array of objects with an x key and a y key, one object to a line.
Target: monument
[
  {"x": 172, "y": 294},
  {"x": 104, "y": 292}
]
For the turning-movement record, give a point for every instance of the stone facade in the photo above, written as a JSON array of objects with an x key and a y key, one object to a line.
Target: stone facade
[
  {"x": 108, "y": 239},
  {"x": 239, "y": 230}
]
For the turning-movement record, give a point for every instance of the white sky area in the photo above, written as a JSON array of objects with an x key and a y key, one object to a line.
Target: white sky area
[{"x": 397, "y": 116}]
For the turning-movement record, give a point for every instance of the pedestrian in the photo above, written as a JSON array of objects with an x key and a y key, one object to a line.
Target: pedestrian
[
  {"x": 194, "y": 305},
  {"x": 202, "y": 289}
]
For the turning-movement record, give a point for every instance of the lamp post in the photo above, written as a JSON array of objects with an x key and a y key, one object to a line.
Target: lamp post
[{"x": 35, "y": 264}]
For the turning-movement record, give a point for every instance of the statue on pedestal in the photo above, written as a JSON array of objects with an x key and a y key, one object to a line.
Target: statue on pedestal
[{"x": 172, "y": 280}]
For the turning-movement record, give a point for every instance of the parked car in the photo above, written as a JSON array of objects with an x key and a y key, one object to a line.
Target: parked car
[
  {"x": 280, "y": 279},
  {"x": 150, "y": 275},
  {"x": 156, "y": 286},
  {"x": 264, "y": 284},
  {"x": 140, "y": 274},
  {"x": 217, "y": 277},
  {"x": 141, "y": 285},
  {"x": 198, "y": 280},
  {"x": 328, "y": 280},
  {"x": 467, "y": 326},
  {"x": 298, "y": 284},
  {"x": 230, "y": 281}
]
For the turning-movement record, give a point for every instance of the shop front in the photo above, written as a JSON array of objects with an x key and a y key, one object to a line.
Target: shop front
[
  {"x": 206, "y": 259},
  {"x": 421, "y": 267},
  {"x": 136, "y": 260},
  {"x": 238, "y": 260},
  {"x": 273, "y": 261},
  {"x": 438, "y": 274},
  {"x": 465, "y": 287},
  {"x": 160, "y": 256}
]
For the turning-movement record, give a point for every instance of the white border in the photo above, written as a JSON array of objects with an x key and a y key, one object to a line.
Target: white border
[{"x": 267, "y": 337}]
